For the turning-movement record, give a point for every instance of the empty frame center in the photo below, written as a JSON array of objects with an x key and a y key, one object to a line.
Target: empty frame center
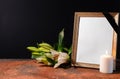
[{"x": 95, "y": 36}]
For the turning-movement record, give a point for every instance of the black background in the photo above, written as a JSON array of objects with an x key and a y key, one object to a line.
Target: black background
[{"x": 27, "y": 22}]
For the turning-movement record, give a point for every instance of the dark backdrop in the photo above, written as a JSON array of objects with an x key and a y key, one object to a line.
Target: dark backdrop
[{"x": 27, "y": 22}]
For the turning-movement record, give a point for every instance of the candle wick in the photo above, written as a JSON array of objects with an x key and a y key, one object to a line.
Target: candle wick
[{"x": 106, "y": 52}]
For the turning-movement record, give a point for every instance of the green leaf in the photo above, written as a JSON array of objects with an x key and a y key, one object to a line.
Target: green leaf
[
  {"x": 45, "y": 45},
  {"x": 66, "y": 49},
  {"x": 60, "y": 40},
  {"x": 49, "y": 55},
  {"x": 42, "y": 49},
  {"x": 34, "y": 49},
  {"x": 37, "y": 54},
  {"x": 70, "y": 50},
  {"x": 45, "y": 61},
  {"x": 51, "y": 60},
  {"x": 42, "y": 53}
]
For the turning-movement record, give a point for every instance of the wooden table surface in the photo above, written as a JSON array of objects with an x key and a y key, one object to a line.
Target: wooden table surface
[{"x": 29, "y": 69}]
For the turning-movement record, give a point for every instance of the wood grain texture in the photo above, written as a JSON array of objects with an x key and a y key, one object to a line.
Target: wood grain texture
[{"x": 29, "y": 69}]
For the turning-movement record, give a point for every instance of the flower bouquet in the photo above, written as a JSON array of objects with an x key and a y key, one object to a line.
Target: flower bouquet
[{"x": 55, "y": 56}]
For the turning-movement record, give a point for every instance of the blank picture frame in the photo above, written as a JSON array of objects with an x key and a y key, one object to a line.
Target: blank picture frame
[{"x": 92, "y": 36}]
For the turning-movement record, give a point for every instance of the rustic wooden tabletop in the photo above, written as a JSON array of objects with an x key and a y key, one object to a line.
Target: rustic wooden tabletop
[{"x": 30, "y": 69}]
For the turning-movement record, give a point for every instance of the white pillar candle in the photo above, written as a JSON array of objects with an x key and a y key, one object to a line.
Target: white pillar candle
[{"x": 106, "y": 63}]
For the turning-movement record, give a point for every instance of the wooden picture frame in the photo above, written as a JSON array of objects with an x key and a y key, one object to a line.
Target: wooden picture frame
[{"x": 80, "y": 44}]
